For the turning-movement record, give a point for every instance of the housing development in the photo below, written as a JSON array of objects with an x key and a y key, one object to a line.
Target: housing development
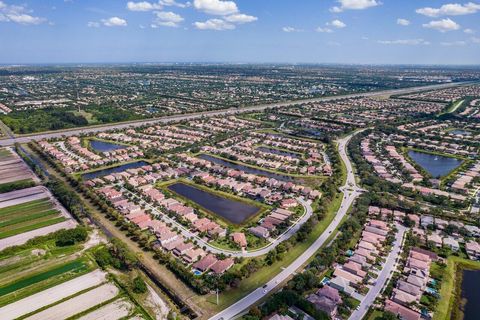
[{"x": 232, "y": 197}]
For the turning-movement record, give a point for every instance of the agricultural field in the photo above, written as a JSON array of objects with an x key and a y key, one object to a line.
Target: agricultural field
[
  {"x": 14, "y": 172},
  {"x": 30, "y": 212},
  {"x": 43, "y": 280}
]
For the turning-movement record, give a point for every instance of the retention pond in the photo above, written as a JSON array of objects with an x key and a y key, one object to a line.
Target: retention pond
[
  {"x": 438, "y": 166},
  {"x": 233, "y": 211}
]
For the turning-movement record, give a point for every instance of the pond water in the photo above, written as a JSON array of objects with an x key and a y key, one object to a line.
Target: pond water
[
  {"x": 471, "y": 294},
  {"x": 279, "y": 152},
  {"x": 437, "y": 166},
  {"x": 245, "y": 169},
  {"x": 461, "y": 132},
  {"x": 104, "y": 172},
  {"x": 233, "y": 211},
  {"x": 103, "y": 146}
]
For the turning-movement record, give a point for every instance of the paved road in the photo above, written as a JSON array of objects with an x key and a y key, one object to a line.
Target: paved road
[
  {"x": 202, "y": 243},
  {"x": 231, "y": 111},
  {"x": 350, "y": 192},
  {"x": 382, "y": 278}
]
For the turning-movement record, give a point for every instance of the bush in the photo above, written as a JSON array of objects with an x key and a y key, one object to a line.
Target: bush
[
  {"x": 139, "y": 285},
  {"x": 69, "y": 237}
]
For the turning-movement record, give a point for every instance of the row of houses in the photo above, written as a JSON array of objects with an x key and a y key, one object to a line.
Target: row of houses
[
  {"x": 278, "y": 217},
  {"x": 353, "y": 274},
  {"x": 412, "y": 285}
]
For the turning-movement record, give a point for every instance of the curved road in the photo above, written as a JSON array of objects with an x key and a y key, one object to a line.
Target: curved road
[
  {"x": 350, "y": 192},
  {"x": 249, "y": 254},
  {"x": 76, "y": 131}
]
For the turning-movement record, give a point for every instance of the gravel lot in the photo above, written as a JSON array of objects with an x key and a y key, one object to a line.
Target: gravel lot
[
  {"x": 51, "y": 295},
  {"x": 77, "y": 304},
  {"x": 112, "y": 311}
]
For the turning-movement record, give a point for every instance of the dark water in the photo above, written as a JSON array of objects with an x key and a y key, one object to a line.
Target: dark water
[
  {"x": 246, "y": 169},
  {"x": 102, "y": 146},
  {"x": 104, "y": 172},
  {"x": 279, "y": 152},
  {"x": 461, "y": 132},
  {"x": 471, "y": 293},
  {"x": 437, "y": 166},
  {"x": 234, "y": 211}
]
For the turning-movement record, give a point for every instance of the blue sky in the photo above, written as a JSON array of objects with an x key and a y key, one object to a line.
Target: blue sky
[{"x": 291, "y": 31}]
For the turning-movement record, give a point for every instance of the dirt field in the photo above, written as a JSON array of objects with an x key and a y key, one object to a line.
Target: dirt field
[
  {"x": 112, "y": 311},
  {"x": 51, "y": 295},
  {"x": 13, "y": 168},
  {"x": 77, "y": 304}
]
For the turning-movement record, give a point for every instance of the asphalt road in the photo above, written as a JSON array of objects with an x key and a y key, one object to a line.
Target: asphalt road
[
  {"x": 93, "y": 129},
  {"x": 350, "y": 192},
  {"x": 382, "y": 278}
]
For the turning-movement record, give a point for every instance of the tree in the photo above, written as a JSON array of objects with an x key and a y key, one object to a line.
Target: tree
[
  {"x": 68, "y": 237},
  {"x": 139, "y": 286}
]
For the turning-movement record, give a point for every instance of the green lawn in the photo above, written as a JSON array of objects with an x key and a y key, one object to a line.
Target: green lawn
[{"x": 23, "y": 206}]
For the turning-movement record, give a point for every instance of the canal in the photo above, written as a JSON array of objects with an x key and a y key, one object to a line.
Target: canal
[
  {"x": 233, "y": 211},
  {"x": 471, "y": 294}
]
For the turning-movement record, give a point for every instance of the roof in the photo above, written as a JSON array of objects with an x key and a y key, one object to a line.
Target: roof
[{"x": 405, "y": 313}]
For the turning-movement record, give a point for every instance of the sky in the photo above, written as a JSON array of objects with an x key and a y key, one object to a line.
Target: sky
[{"x": 240, "y": 31}]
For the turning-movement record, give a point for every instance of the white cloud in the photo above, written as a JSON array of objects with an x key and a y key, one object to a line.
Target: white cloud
[
  {"x": 333, "y": 44},
  {"x": 18, "y": 14},
  {"x": 167, "y": 19},
  {"x": 214, "y": 24},
  {"x": 324, "y": 30},
  {"x": 170, "y": 3},
  {"x": 93, "y": 24},
  {"x": 354, "y": 5},
  {"x": 453, "y": 43},
  {"x": 475, "y": 39},
  {"x": 403, "y": 22},
  {"x": 408, "y": 42},
  {"x": 469, "y": 31},
  {"x": 450, "y": 9},
  {"x": 290, "y": 29},
  {"x": 114, "y": 22},
  {"x": 216, "y": 7},
  {"x": 337, "y": 24},
  {"x": 240, "y": 18},
  {"x": 143, "y": 6},
  {"x": 443, "y": 25}
]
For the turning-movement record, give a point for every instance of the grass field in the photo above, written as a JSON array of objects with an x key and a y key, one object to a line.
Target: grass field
[{"x": 27, "y": 216}]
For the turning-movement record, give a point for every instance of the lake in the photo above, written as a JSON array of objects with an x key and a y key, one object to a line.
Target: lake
[
  {"x": 245, "y": 169},
  {"x": 104, "y": 172},
  {"x": 437, "y": 166},
  {"x": 279, "y": 152},
  {"x": 471, "y": 294},
  {"x": 233, "y": 211},
  {"x": 461, "y": 132},
  {"x": 103, "y": 146}
]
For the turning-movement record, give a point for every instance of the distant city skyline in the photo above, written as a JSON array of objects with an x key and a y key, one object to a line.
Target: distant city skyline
[{"x": 268, "y": 31}]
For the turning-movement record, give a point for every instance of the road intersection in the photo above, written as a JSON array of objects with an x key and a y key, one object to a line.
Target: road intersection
[{"x": 350, "y": 192}]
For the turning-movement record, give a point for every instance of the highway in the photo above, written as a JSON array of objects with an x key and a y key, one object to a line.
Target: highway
[
  {"x": 350, "y": 192},
  {"x": 384, "y": 275},
  {"x": 122, "y": 125}
]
